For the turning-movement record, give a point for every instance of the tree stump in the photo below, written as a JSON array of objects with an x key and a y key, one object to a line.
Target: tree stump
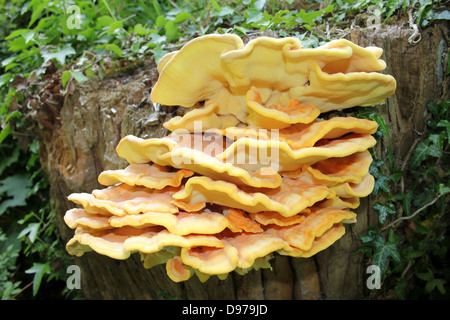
[{"x": 78, "y": 139}]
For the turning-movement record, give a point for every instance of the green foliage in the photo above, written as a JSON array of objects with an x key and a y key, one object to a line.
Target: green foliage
[
  {"x": 38, "y": 269},
  {"x": 423, "y": 11},
  {"x": 382, "y": 249},
  {"x": 36, "y": 33},
  {"x": 384, "y": 211},
  {"x": 15, "y": 189},
  {"x": 28, "y": 242},
  {"x": 412, "y": 256}
]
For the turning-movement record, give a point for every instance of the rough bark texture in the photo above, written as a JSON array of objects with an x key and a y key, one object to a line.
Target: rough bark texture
[{"x": 78, "y": 142}]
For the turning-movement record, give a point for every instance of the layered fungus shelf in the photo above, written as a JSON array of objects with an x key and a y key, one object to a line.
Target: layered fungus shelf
[{"x": 251, "y": 169}]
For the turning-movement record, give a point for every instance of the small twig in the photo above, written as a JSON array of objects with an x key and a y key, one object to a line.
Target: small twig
[
  {"x": 409, "y": 154},
  {"x": 408, "y": 266},
  {"x": 405, "y": 162},
  {"x": 416, "y": 36},
  {"x": 109, "y": 9},
  {"x": 414, "y": 214},
  {"x": 21, "y": 290},
  {"x": 129, "y": 17}
]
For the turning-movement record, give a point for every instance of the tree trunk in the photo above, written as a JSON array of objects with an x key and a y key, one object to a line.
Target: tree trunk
[{"x": 78, "y": 142}]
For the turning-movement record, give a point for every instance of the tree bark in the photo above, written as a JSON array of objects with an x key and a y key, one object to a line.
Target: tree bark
[{"x": 77, "y": 142}]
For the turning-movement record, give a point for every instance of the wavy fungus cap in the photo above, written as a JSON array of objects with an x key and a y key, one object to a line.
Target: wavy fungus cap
[
  {"x": 263, "y": 174},
  {"x": 205, "y": 74},
  {"x": 337, "y": 75}
]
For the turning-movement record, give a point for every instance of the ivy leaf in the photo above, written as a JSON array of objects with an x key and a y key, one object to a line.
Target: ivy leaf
[
  {"x": 5, "y": 133},
  {"x": 425, "y": 276},
  {"x": 378, "y": 241},
  {"x": 395, "y": 239},
  {"x": 5, "y": 78},
  {"x": 382, "y": 253},
  {"x": 79, "y": 76},
  {"x": 396, "y": 175},
  {"x": 114, "y": 48},
  {"x": 31, "y": 230},
  {"x": 309, "y": 17},
  {"x": 12, "y": 158},
  {"x": 65, "y": 77},
  {"x": 182, "y": 16},
  {"x": 140, "y": 30},
  {"x": 444, "y": 15},
  {"x": 160, "y": 21},
  {"x": 259, "y": 4},
  {"x": 242, "y": 29},
  {"x": 383, "y": 128},
  {"x": 422, "y": 152},
  {"x": 16, "y": 33},
  {"x": 225, "y": 11},
  {"x": 438, "y": 141},
  {"x": 254, "y": 15},
  {"x": 28, "y": 35},
  {"x": 434, "y": 109},
  {"x": 445, "y": 124},
  {"x": 443, "y": 189},
  {"x": 60, "y": 55},
  {"x": 372, "y": 236},
  {"x": 436, "y": 283},
  {"x": 328, "y": 9},
  {"x": 448, "y": 66},
  {"x": 384, "y": 211},
  {"x": 171, "y": 31},
  {"x": 114, "y": 26},
  {"x": 18, "y": 44},
  {"x": 158, "y": 53},
  {"x": 17, "y": 187},
  {"x": 381, "y": 181},
  {"x": 406, "y": 199},
  {"x": 37, "y": 12},
  {"x": 104, "y": 21},
  {"x": 39, "y": 269},
  {"x": 431, "y": 281}
]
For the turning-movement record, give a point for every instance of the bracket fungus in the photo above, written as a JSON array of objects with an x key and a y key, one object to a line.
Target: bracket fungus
[{"x": 254, "y": 167}]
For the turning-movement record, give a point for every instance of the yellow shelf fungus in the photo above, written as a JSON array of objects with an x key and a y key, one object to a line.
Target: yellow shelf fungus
[
  {"x": 335, "y": 76},
  {"x": 289, "y": 199},
  {"x": 148, "y": 175},
  {"x": 253, "y": 168}
]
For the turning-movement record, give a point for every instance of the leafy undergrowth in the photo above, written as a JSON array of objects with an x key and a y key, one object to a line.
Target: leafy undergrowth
[
  {"x": 94, "y": 39},
  {"x": 412, "y": 244}
]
